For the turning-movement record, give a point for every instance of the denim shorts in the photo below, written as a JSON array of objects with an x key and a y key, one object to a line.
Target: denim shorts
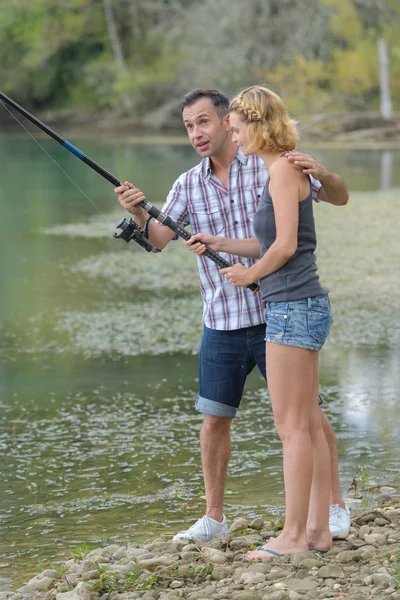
[
  {"x": 303, "y": 323},
  {"x": 226, "y": 359}
]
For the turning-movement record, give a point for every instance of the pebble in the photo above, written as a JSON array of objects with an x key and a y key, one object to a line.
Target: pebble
[{"x": 366, "y": 565}]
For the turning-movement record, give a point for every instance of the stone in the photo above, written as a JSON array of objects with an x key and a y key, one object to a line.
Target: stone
[
  {"x": 220, "y": 573},
  {"x": 259, "y": 568},
  {"x": 49, "y": 573},
  {"x": 356, "y": 544},
  {"x": 238, "y": 525},
  {"x": 190, "y": 555},
  {"x": 301, "y": 585},
  {"x": 83, "y": 591},
  {"x": 257, "y": 523},
  {"x": 214, "y": 556},
  {"x": 382, "y": 579},
  {"x": 120, "y": 553},
  {"x": 90, "y": 575},
  {"x": 88, "y": 565},
  {"x": 297, "y": 557},
  {"x": 245, "y": 541},
  {"x": 277, "y": 595},
  {"x": 249, "y": 578},
  {"x": 331, "y": 571},
  {"x": 294, "y": 595},
  {"x": 37, "y": 584},
  {"x": 245, "y": 595},
  {"x": 364, "y": 530},
  {"x": 156, "y": 561},
  {"x": 309, "y": 563},
  {"x": 375, "y": 539}
]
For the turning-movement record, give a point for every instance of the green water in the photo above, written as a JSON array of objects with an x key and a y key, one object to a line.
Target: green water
[{"x": 98, "y": 436}]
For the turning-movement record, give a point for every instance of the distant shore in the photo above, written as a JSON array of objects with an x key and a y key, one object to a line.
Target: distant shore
[{"x": 357, "y": 130}]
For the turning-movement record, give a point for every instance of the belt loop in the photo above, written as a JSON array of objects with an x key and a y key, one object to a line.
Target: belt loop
[{"x": 309, "y": 303}]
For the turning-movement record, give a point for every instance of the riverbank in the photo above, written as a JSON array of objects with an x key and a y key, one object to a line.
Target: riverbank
[
  {"x": 364, "y": 566},
  {"x": 351, "y": 129}
]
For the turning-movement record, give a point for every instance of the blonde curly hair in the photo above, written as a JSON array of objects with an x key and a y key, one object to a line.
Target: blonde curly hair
[{"x": 270, "y": 129}]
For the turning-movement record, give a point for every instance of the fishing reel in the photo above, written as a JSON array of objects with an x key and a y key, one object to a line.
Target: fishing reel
[{"x": 131, "y": 231}]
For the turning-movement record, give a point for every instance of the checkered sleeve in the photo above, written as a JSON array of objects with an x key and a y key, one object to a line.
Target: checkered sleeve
[
  {"x": 176, "y": 204},
  {"x": 316, "y": 186}
]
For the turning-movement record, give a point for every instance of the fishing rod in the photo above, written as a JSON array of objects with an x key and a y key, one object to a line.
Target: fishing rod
[{"x": 129, "y": 229}]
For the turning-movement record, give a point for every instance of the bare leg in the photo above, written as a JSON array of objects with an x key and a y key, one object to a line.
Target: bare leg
[
  {"x": 290, "y": 376},
  {"x": 336, "y": 492},
  {"x": 318, "y": 533},
  {"x": 215, "y": 443}
]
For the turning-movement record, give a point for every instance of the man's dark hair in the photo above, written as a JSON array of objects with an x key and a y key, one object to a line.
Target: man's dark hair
[{"x": 219, "y": 100}]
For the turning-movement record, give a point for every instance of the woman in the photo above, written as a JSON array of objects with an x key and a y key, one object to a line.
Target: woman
[{"x": 297, "y": 312}]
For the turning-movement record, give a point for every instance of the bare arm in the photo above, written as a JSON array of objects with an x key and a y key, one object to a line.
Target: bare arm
[
  {"x": 248, "y": 248},
  {"x": 333, "y": 190},
  {"x": 284, "y": 187}
]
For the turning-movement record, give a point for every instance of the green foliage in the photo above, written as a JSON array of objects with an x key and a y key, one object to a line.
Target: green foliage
[
  {"x": 392, "y": 564},
  {"x": 320, "y": 55},
  {"x": 348, "y": 77},
  {"x": 395, "y": 570},
  {"x": 278, "y": 524},
  {"x": 360, "y": 479},
  {"x": 364, "y": 475},
  {"x": 198, "y": 574},
  {"x": 106, "y": 582},
  {"x": 109, "y": 581},
  {"x": 81, "y": 551},
  {"x": 59, "y": 569}
]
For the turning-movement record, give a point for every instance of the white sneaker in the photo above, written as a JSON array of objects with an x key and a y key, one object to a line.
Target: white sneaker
[
  {"x": 339, "y": 521},
  {"x": 203, "y": 530}
]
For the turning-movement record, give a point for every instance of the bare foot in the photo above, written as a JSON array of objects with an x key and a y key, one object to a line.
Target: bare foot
[
  {"x": 280, "y": 546},
  {"x": 319, "y": 540}
]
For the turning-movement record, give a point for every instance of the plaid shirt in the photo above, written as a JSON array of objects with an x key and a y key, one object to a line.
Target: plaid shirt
[{"x": 199, "y": 199}]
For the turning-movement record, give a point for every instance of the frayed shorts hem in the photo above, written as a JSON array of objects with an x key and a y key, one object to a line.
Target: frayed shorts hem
[{"x": 216, "y": 409}]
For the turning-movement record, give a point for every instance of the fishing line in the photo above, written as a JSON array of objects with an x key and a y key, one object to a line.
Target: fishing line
[
  {"x": 51, "y": 158},
  {"x": 129, "y": 230}
]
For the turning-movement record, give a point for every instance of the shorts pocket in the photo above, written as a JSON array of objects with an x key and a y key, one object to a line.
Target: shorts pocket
[
  {"x": 276, "y": 318},
  {"x": 319, "y": 324}
]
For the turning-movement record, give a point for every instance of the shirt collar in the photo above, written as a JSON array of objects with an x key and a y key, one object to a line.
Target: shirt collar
[{"x": 206, "y": 170}]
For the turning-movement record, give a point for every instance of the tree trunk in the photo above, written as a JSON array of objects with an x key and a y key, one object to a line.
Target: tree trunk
[
  {"x": 116, "y": 45},
  {"x": 386, "y": 100},
  {"x": 136, "y": 28}
]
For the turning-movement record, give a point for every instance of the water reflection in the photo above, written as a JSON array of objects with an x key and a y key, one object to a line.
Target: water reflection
[
  {"x": 387, "y": 160},
  {"x": 368, "y": 385}
]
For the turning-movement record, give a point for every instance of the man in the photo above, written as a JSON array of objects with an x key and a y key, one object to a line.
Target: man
[{"x": 220, "y": 196}]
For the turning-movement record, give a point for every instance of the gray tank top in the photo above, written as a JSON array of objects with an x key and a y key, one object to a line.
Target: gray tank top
[{"x": 298, "y": 278}]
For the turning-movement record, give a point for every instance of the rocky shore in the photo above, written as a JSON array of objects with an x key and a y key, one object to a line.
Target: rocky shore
[{"x": 364, "y": 566}]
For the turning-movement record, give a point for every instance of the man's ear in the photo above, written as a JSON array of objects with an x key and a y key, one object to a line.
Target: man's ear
[{"x": 227, "y": 124}]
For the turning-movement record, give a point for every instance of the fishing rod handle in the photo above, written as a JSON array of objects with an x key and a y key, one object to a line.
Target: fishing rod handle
[{"x": 183, "y": 233}]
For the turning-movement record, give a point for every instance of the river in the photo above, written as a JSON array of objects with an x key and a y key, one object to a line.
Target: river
[{"x": 98, "y": 371}]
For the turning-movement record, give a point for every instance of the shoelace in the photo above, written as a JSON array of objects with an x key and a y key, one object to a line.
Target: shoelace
[
  {"x": 334, "y": 512},
  {"x": 201, "y": 523}
]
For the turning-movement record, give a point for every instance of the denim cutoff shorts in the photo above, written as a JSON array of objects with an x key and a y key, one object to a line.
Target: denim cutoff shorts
[{"x": 303, "y": 323}]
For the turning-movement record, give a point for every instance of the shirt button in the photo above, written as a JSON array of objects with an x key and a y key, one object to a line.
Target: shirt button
[
  {"x": 285, "y": 316},
  {"x": 258, "y": 196},
  {"x": 232, "y": 201},
  {"x": 236, "y": 222}
]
